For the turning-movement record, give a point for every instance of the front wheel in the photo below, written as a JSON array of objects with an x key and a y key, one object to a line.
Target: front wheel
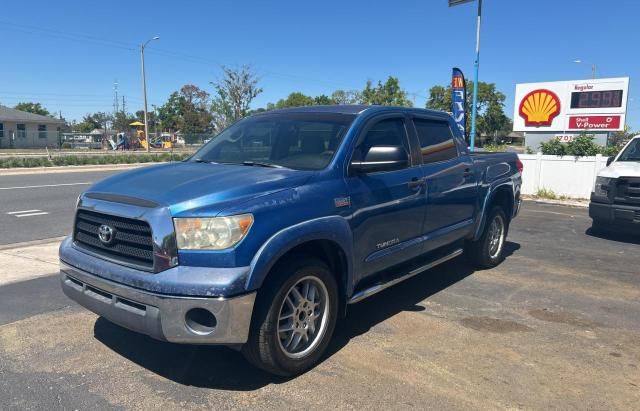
[
  {"x": 488, "y": 250},
  {"x": 294, "y": 319}
]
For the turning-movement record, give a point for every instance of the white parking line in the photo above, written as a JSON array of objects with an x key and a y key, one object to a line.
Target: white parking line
[
  {"x": 47, "y": 185},
  {"x": 27, "y": 213},
  {"x": 31, "y": 214},
  {"x": 23, "y": 211}
]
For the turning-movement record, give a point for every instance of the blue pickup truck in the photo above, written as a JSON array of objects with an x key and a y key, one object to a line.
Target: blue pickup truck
[{"x": 262, "y": 238}]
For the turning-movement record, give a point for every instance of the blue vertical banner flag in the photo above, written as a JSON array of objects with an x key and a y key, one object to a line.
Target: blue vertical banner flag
[{"x": 459, "y": 100}]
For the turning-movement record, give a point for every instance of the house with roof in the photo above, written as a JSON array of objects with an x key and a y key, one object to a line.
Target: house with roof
[{"x": 20, "y": 129}]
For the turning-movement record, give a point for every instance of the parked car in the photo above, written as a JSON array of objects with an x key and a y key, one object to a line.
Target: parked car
[
  {"x": 615, "y": 200},
  {"x": 262, "y": 239}
]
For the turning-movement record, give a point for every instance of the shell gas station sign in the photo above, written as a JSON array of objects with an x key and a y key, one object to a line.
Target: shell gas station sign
[{"x": 577, "y": 105}]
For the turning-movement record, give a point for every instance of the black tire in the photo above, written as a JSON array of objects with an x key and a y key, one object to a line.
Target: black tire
[
  {"x": 264, "y": 348},
  {"x": 480, "y": 252},
  {"x": 598, "y": 227}
]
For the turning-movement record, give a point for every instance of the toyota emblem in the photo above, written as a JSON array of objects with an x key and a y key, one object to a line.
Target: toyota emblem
[{"x": 106, "y": 234}]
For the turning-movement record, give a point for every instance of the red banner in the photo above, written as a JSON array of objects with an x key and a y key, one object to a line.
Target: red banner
[{"x": 594, "y": 122}]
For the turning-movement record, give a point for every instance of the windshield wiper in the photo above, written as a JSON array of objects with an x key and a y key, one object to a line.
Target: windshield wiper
[
  {"x": 259, "y": 164},
  {"x": 200, "y": 160}
]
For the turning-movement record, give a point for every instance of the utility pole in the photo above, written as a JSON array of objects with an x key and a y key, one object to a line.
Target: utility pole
[
  {"x": 124, "y": 110},
  {"x": 144, "y": 91},
  {"x": 115, "y": 98}
]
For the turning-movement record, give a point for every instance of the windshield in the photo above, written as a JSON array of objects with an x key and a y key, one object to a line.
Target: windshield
[
  {"x": 632, "y": 152},
  {"x": 302, "y": 141}
]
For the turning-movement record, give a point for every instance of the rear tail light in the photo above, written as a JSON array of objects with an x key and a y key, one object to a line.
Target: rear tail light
[{"x": 519, "y": 165}]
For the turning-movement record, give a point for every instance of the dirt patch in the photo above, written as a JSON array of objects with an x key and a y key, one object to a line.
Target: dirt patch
[
  {"x": 562, "y": 317},
  {"x": 494, "y": 325}
]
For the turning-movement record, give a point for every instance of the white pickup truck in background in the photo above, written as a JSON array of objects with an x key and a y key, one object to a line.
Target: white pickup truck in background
[{"x": 615, "y": 200}]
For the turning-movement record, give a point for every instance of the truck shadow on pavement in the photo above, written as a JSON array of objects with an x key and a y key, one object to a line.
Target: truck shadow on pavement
[
  {"x": 618, "y": 237},
  {"x": 224, "y": 368}
]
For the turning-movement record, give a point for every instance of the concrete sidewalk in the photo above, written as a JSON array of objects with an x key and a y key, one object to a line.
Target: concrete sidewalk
[{"x": 21, "y": 262}]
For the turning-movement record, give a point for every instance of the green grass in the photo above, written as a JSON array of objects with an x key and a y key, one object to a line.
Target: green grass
[
  {"x": 495, "y": 148},
  {"x": 74, "y": 160},
  {"x": 546, "y": 193}
]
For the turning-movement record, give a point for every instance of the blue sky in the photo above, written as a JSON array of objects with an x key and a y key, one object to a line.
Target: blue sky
[{"x": 67, "y": 54}]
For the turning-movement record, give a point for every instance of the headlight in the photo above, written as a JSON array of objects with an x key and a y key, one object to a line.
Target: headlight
[
  {"x": 602, "y": 186},
  {"x": 215, "y": 233}
]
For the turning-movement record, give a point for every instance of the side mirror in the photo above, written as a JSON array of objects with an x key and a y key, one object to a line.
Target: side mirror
[
  {"x": 610, "y": 160},
  {"x": 382, "y": 158}
]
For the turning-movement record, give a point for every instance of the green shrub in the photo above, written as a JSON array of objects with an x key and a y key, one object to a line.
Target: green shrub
[
  {"x": 583, "y": 145},
  {"x": 546, "y": 193},
  {"x": 610, "y": 151},
  {"x": 34, "y": 161},
  {"x": 72, "y": 160},
  {"x": 495, "y": 148},
  {"x": 553, "y": 147}
]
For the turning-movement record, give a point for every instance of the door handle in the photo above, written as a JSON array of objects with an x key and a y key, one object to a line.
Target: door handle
[
  {"x": 467, "y": 172},
  {"x": 416, "y": 183}
]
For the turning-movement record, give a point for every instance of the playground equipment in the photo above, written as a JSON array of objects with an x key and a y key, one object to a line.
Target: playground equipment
[{"x": 155, "y": 141}]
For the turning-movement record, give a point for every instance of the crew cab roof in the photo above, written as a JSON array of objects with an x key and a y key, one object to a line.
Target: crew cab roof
[{"x": 354, "y": 109}]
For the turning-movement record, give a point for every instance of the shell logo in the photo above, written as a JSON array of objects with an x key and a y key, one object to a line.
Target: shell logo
[{"x": 539, "y": 107}]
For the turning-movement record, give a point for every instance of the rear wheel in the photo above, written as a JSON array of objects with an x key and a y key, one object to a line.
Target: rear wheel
[
  {"x": 294, "y": 319},
  {"x": 488, "y": 250}
]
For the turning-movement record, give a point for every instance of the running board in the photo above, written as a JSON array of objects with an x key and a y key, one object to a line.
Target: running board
[{"x": 361, "y": 295}]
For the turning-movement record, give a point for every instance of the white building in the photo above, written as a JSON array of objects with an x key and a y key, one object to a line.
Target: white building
[{"x": 20, "y": 129}]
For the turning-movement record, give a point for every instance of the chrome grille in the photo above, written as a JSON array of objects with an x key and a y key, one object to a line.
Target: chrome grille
[{"x": 132, "y": 244}]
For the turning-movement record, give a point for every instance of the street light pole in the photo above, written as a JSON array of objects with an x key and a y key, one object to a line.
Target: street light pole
[{"x": 144, "y": 91}]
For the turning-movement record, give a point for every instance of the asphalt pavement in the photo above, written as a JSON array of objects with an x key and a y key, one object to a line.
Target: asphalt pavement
[
  {"x": 556, "y": 326},
  {"x": 37, "y": 206}
]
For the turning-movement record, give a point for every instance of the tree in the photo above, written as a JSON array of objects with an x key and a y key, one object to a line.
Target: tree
[
  {"x": 122, "y": 120},
  {"x": 170, "y": 113},
  {"x": 235, "y": 92},
  {"x": 620, "y": 138},
  {"x": 346, "y": 97},
  {"x": 295, "y": 99},
  {"x": 35, "y": 108},
  {"x": 92, "y": 121},
  {"x": 186, "y": 110},
  {"x": 491, "y": 118},
  {"x": 385, "y": 94},
  {"x": 323, "y": 100}
]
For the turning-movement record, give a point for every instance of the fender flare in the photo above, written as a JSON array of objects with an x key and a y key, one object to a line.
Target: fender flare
[
  {"x": 334, "y": 228},
  {"x": 488, "y": 199}
]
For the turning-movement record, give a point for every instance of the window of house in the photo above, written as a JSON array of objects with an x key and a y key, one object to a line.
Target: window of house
[
  {"x": 42, "y": 131},
  {"x": 1, "y": 130},
  {"x": 22, "y": 130},
  {"x": 436, "y": 140}
]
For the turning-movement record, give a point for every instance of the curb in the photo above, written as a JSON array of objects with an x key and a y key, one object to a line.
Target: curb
[
  {"x": 566, "y": 203},
  {"x": 72, "y": 169},
  {"x": 32, "y": 242}
]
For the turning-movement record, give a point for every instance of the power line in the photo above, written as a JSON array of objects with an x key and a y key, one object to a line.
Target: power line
[{"x": 157, "y": 51}]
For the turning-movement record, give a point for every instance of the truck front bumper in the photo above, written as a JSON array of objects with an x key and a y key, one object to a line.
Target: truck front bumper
[
  {"x": 179, "y": 319},
  {"x": 617, "y": 215}
]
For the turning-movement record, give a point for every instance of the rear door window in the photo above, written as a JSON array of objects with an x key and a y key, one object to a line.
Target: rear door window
[{"x": 436, "y": 140}]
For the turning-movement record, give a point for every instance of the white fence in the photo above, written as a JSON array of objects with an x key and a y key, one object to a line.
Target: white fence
[{"x": 565, "y": 175}]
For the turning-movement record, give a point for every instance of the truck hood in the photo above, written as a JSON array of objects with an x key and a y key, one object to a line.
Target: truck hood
[
  {"x": 621, "y": 169},
  {"x": 197, "y": 188}
]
